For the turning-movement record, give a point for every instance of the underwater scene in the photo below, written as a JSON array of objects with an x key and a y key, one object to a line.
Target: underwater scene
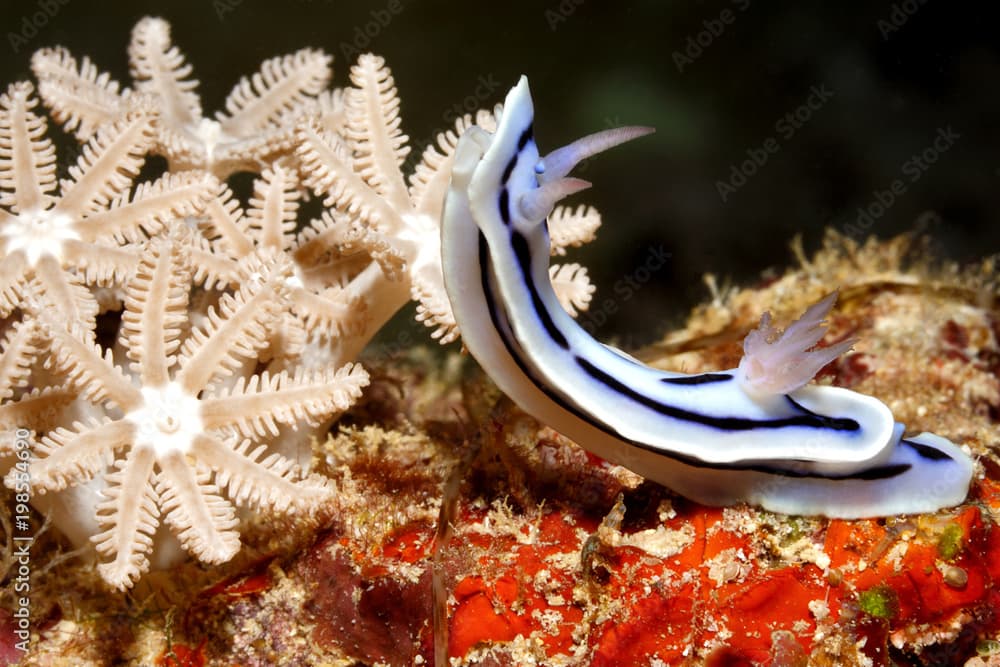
[{"x": 543, "y": 333}]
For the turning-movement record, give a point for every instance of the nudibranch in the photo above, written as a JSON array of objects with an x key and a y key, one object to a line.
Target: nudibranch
[{"x": 757, "y": 433}]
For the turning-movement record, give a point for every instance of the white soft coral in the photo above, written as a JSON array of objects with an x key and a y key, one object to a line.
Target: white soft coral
[
  {"x": 60, "y": 235},
  {"x": 776, "y": 362},
  {"x": 255, "y": 128},
  {"x": 176, "y": 442}
]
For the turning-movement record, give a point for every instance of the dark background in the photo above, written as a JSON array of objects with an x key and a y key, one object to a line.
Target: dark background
[{"x": 898, "y": 72}]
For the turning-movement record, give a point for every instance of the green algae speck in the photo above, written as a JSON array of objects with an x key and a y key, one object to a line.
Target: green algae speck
[
  {"x": 879, "y": 602},
  {"x": 950, "y": 542}
]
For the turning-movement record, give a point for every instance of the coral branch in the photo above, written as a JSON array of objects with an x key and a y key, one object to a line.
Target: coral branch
[
  {"x": 268, "y": 483},
  {"x": 255, "y": 407},
  {"x": 17, "y": 354},
  {"x": 108, "y": 163},
  {"x": 27, "y": 156},
  {"x": 238, "y": 329},
  {"x": 129, "y": 515},
  {"x": 83, "y": 98},
  {"x": 203, "y": 520},
  {"x": 373, "y": 130},
  {"x": 281, "y": 86},
  {"x": 572, "y": 286},
  {"x": 73, "y": 456},
  {"x": 156, "y": 302}
]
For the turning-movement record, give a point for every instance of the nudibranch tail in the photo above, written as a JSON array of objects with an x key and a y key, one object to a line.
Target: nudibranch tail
[{"x": 718, "y": 438}]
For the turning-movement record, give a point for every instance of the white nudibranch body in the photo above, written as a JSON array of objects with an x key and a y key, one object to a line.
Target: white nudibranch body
[{"x": 756, "y": 434}]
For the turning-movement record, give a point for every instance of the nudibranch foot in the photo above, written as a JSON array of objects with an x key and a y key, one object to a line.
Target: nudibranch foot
[
  {"x": 923, "y": 473},
  {"x": 756, "y": 434}
]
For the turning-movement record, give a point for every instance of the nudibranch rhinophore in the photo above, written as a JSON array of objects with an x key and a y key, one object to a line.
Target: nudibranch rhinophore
[{"x": 757, "y": 434}]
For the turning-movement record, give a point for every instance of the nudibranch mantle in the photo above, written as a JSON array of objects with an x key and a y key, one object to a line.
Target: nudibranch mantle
[{"x": 711, "y": 437}]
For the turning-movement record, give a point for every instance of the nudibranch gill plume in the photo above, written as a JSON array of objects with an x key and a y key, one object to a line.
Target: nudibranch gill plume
[{"x": 758, "y": 433}]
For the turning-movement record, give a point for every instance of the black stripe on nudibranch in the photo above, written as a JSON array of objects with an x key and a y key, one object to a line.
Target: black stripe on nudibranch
[
  {"x": 515, "y": 351},
  {"x": 868, "y": 474},
  {"x": 516, "y": 354},
  {"x": 927, "y": 452},
  {"x": 879, "y": 472},
  {"x": 835, "y": 423},
  {"x": 809, "y": 419},
  {"x": 525, "y": 137},
  {"x": 484, "y": 279},
  {"x": 509, "y": 169},
  {"x": 504, "y": 205},
  {"x": 704, "y": 378},
  {"x": 523, "y": 254}
]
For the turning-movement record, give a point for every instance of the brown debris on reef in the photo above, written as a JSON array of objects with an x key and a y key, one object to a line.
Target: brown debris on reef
[{"x": 557, "y": 558}]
